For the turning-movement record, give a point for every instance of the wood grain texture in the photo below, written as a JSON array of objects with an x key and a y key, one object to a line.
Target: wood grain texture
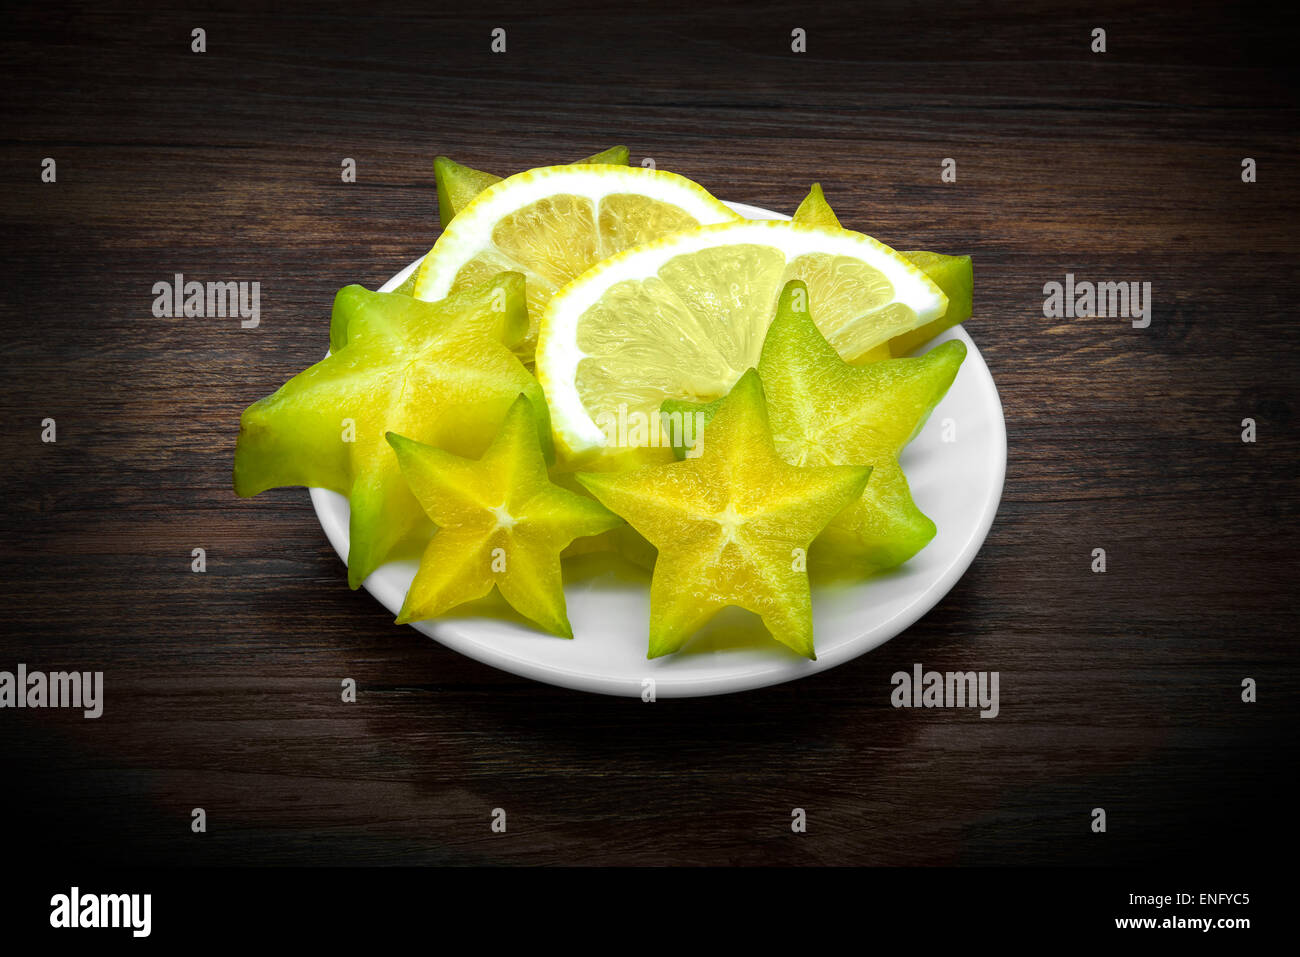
[{"x": 1118, "y": 690}]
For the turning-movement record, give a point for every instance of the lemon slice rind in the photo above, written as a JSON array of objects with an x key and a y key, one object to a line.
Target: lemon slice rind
[{"x": 469, "y": 235}]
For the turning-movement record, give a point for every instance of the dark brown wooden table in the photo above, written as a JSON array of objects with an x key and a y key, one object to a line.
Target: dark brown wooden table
[{"x": 1119, "y": 690}]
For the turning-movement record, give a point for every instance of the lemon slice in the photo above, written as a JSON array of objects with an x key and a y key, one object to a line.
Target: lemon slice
[
  {"x": 684, "y": 317},
  {"x": 458, "y": 185},
  {"x": 554, "y": 222}
]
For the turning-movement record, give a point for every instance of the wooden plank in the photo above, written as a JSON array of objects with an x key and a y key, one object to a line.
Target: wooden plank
[{"x": 1119, "y": 690}]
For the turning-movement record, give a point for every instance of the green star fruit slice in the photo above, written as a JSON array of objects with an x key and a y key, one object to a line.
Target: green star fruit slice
[
  {"x": 501, "y": 524},
  {"x": 457, "y": 185},
  {"x": 732, "y": 525},
  {"x": 437, "y": 372},
  {"x": 825, "y": 411},
  {"x": 953, "y": 274}
]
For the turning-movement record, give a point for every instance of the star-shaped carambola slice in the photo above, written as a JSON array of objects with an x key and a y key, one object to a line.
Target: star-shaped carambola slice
[
  {"x": 438, "y": 372},
  {"x": 501, "y": 523},
  {"x": 825, "y": 411},
  {"x": 732, "y": 525}
]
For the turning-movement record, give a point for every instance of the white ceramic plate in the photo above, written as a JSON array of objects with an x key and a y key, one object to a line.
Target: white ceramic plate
[{"x": 957, "y": 483}]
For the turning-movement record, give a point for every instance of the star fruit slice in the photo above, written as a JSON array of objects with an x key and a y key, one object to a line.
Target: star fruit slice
[
  {"x": 440, "y": 373},
  {"x": 815, "y": 211},
  {"x": 732, "y": 525},
  {"x": 825, "y": 411},
  {"x": 953, "y": 274},
  {"x": 501, "y": 524}
]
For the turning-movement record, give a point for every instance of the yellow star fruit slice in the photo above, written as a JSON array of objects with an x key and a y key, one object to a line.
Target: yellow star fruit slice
[
  {"x": 441, "y": 373},
  {"x": 825, "y": 411},
  {"x": 684, "y": 317},
  {"x": 554, "y": 222},
  {"x": 953, "y": 274},
  {"x": 501, "y": 524},
  {"x": 732, "y": 525}
]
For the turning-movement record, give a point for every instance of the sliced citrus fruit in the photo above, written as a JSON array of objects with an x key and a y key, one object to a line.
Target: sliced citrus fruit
[
  {"x": 458, "y": 185},
  {"x": 685, "y": 316},
  {"x": 555, "y": 222}
]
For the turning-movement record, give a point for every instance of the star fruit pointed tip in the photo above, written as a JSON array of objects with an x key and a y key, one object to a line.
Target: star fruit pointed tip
[
  {"x": 749, "y": 385},
  {"x": 794, "y": 297},
  {"x": 521, "y": 423},
  {"x": 746, "y": 402},
  {"x": 522, "y": 405},
  {"x": 953, "y": 347},
  {"x": 614, "y": 156},
  {"x": 560, "y": 629},
  {"x": 803, "y": 651},
  {"x": 399, "y": 443}
]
